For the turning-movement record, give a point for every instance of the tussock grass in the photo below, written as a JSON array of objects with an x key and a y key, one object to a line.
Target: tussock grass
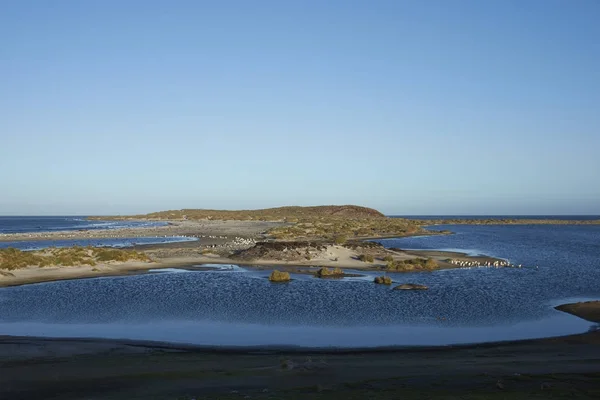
[
  {"x": 340, "y": 239},
  {"x": 325, "y": 272},
  {"x": 366, "y": 258},
  {"x": 279, "y": 276},
  {"x": 416, "y": 264},
  {"x": 12, "y": 259}
]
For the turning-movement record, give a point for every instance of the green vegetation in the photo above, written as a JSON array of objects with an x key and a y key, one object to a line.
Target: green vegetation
[
  {"x": 11, "y": 259},
  {"x": 279, "y": 276},
  {"x": 326, "y": 272},
  {"x": 119, "y": 255},
  {"x": 366, "y": 258},
  {"x": 383, "y": 280},
  {"x": 416, "y": 264},
  {"x": 388, "y": 258}
]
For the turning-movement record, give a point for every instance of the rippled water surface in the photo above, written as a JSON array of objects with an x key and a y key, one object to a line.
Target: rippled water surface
[
  {"x": 30, "y": 224},
  {"x": 234, "y": 306},
  {"x": 95, "y": 242}
]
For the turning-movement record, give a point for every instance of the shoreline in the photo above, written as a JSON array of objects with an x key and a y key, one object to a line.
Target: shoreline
[
  {"x": 196, "y": 229},
  {"x": 583, "y": 337},
  {"x": 33, "y": 275}
]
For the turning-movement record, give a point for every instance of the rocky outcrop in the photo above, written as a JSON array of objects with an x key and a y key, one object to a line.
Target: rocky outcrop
[{"x": 411, "y": 286}]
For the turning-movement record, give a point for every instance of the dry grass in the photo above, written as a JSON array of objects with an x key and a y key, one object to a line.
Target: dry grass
[{"x": 11, "y": 259}]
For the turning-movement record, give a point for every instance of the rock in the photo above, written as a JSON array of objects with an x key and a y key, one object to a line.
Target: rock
[
  {"x": 278, "y": 276},
  {"x": 411, "y": 286},
  {"x": 383, "y": 280}
]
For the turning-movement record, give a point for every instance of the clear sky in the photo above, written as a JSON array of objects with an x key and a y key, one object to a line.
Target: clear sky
[{"x": 411, "y": 107}]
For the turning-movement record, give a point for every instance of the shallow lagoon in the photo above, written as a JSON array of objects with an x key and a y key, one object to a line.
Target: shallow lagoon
[{"x": 235, "y": 306}]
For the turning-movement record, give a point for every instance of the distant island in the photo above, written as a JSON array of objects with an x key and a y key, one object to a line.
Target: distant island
[
  {"x": 301, "y": 223},
  {"x": 297, "y": 214},
  {"x": 266, "y": 214}
]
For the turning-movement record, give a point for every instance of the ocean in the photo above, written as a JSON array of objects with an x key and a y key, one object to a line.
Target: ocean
[
  {"x": 484, "y": 217},
  {"x": 40, "y": 224},
  {"x": 232, "y": 305},
  {"x": 31, "y": 224}
]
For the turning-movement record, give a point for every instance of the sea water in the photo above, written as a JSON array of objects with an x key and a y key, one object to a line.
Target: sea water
[{"x": 34, "y": 225}]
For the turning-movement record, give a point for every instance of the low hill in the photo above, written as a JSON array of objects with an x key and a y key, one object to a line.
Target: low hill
[{"x": 268, "y": 214}]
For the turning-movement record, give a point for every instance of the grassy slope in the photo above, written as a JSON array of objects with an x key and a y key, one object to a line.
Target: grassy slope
[{"x": 12, "y": 259}]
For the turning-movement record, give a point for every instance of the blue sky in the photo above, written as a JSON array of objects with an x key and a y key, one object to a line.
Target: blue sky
[{"x": 411, "y": 107}]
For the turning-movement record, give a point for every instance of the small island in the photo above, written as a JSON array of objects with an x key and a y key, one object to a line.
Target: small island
[{"x": 332, "y": 238}]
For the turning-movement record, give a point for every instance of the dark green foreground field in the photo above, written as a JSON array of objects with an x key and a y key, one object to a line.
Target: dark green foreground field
[{"x": 33, "y": 368}]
